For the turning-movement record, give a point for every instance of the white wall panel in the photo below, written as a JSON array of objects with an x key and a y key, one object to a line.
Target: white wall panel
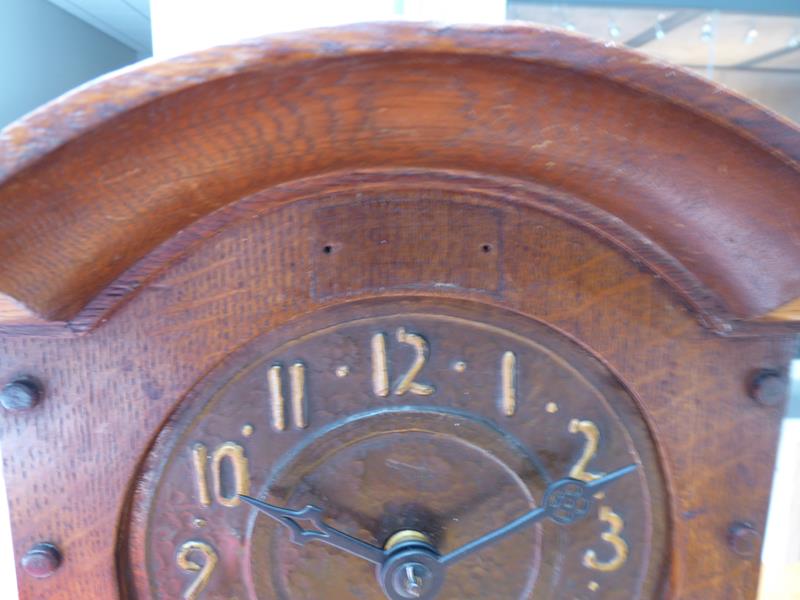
[{"x": 180, "y": 26}]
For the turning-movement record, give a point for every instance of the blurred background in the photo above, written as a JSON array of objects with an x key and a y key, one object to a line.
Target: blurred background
[{"x": 48, "y": 47}]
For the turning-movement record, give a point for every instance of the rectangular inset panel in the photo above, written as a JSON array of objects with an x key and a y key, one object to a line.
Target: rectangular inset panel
[{"x": 424, "y": 241}]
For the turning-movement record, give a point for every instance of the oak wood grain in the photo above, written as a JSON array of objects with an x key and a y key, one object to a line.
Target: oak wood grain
[
  {"x": 174, "y": 212},
  {"x": 72, "y": 462},
  {"x": 707, "y": 182}
]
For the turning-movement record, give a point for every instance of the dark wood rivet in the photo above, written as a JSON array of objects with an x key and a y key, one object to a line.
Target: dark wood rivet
[
  {"x": 743, "y": 539},
  {"x": 41, "y": 561},
  {"x": 768, "y": 387},
  {"x": 19, "y": 395}
]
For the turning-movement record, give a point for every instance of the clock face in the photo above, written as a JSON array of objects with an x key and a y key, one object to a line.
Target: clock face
[{"x": 408, "y": 424}]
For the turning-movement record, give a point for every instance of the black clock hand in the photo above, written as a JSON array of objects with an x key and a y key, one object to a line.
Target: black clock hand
[
  {"x": 565, "y": 501},
  {"x": 597, "y": 485},
  {"x": 322, "y": 532}
]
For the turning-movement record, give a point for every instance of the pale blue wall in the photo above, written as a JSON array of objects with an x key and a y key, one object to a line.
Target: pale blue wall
[
  {"x": 45, "y": 51},
  {"x": 793, "y": 409}
]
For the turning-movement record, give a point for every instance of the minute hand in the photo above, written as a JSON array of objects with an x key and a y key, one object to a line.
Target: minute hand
[{"x": 579, "y": 498}]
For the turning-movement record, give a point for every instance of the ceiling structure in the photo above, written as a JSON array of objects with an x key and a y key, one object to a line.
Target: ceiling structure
[
  {"x": 127, "y": 21},
  {"x": 754, "y": 53},
  {"x": 688, "y": 36},
  {"x": 691, "y": 37},
  {"x": 750, "y": 45}
]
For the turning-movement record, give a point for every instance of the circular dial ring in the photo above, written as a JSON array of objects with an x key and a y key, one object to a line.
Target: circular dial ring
[{"x": 402, "y": 402}]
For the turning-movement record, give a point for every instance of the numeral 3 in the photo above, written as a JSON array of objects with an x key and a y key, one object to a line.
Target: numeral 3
[{"x": 615, "y": 525}]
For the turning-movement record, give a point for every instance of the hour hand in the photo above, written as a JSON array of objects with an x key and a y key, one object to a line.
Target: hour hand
[{"x": 321, "y": 531}]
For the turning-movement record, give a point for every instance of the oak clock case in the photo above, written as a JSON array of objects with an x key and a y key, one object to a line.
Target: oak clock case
[{"x": 395, "y": 312}]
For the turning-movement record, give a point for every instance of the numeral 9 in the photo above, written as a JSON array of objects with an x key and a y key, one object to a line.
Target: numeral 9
[{"x": 205, "y": 570}]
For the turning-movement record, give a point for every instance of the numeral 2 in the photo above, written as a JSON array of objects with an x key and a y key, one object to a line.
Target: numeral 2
[
  {"x": 592, "y": 436},
  {"x": 187, "y": 564},
  {"x": 615, "y": 523}
]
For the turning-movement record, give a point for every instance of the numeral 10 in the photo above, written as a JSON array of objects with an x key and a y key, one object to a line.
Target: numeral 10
[{"x": 224, "y": 494}]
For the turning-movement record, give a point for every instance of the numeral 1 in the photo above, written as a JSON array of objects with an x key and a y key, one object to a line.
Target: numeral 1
[
  {"x": 508, "y": 384},
  {"x": 241, "y": 476},
  {"x": 187, "y": 564},
  {"x": 380, "y": 366},
  {"x": 199, "y": 460}
]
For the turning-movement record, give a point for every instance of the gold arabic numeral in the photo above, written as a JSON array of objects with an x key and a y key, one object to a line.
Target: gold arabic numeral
[
  {"x": 234, "y": 455},
  {"x": 297, "y": 379},
  {"x": 204, "y": 570},
  {"x": 508, "y": 384},
  {"x": 276, "y": 400},
  {"x": 612, "y": 537},
  {"x": 199, "y": 460},
  {"x": 406, "y": 383},
  {"x": 591, "y": 436},
  {"x": 380, "y": 366},
  {"x": 297, "y": 396},
  {"x": 241, "y": 477}
]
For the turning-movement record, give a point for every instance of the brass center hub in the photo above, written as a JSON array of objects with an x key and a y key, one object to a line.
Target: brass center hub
[{"x": 406, "y": 536}]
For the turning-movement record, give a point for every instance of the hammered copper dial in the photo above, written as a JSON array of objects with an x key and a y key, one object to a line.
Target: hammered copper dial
[{"x": 446, "y": 419}]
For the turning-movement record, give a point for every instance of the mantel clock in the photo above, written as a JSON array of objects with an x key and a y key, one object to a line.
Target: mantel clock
[{"x": 396, "y": 311}]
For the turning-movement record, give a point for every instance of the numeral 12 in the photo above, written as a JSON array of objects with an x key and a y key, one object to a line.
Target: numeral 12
[{"x": 406, "y": 383}]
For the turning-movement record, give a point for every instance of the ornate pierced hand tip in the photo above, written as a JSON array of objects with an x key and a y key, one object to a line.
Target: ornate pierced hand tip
[
  {"x": 321, "y": 531},
  {"x": 290, "y": 518},
  {"x": 569, "y": 500},
  {"x": 565, "y": 501}
]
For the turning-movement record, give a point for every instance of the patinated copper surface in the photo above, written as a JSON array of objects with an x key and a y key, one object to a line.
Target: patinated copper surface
[{"x": 446, "y": 461}]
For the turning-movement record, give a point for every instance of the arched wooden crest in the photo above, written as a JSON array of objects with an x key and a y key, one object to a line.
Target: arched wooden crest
[{"x": 103, "y": 186}]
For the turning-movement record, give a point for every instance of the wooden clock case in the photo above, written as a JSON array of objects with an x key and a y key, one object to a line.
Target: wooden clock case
[{"x": 155, "y": 220}]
